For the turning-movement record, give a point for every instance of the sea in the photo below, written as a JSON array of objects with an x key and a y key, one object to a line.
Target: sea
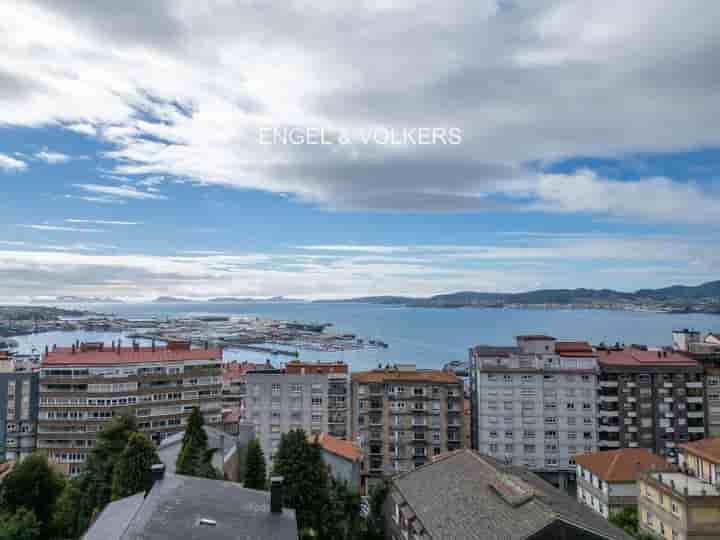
[{"x": 427, "y": 337}]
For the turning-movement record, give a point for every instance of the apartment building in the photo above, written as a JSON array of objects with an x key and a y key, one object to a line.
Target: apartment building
[
  {"x": 535, "y": 404},
  {"x": 311, "y": 396},
  {"x": 706, "y": 350},
  {"x": 607, "y": 481},
  {"x": 649, "y": 398},
  {"x": 403, "y": 416},
  {"x": 683, "y": 505},
  {"x": 84, "y": 386},
  {"x": 18, "y": 414}
]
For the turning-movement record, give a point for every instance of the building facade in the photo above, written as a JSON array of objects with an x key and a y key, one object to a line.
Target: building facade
[
  {"x": 650, "y": 398},
  {"x": 18, "y": 414},
  {"x": 607, "y": 481},
  {"x": 85, "y": 386},
  {"x": 314, "y": 397},
  {"x": 403, "y": 416},
  {"x": 535, "y": 404}
]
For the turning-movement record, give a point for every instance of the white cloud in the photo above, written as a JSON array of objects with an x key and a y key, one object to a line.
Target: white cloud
[
  {"x": 553, "y": 80},
  {"x": 10, "y": 164},
  {"x": 121, "y": 192},
  {"x": 45, "y": 227},
  {"x": 102, "y": 222},
  {"x": 52, "y": 157}
]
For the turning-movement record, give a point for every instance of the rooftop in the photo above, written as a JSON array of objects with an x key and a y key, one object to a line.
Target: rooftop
[
  {"x": 535, "y": 337},
  {"x": 295, "y": 367},
  {"x": 620, "y": 466},
  {"x": 69, "y": 356},
  {"x": 574, "y": 348},
  {"x": 340, "y": 447},
  {"x": 642, "y": 358},
  {"x": 236, "y": 370},
  {"x": 490, "y": 350},
  {"x": 391, "y": 374},
  {"x": 176, "y": 506},
  {"x": 465, "y": 495},
  {"x": 680, "y": 482},
  {"x": 708, "y": 449}
]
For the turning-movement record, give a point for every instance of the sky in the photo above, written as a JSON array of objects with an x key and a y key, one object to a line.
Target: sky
[{"x": 172, "y": 147}]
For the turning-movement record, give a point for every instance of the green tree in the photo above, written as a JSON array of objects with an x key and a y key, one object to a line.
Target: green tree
[
  {"x": 65, "y": 520},
  {"x": 132, "y": 473},
  {"x": 374, "y": 527},
  {"x": 95, "y": 482},
  {"x": 255, "y": 475},
  {"x": 627, "y": 520},
  {"x": 20, "y": 525},
  {"x": 195, "y": 458},
  {"x": 306, "y": 490},
  {"x": 342, "y": 519},
  {"x": 32, "y": 485}
]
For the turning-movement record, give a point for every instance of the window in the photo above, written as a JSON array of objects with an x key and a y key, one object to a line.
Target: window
[
  {"x": 492, "y": 377},
  {"x": 492, "y": 419},
  {"x": 317, "y": 402},
  {"x": 508, "y": 434},
  {"x": 527, "y": 379},
  {"x": 587, "y": 406},
  {"x": 275, "y": 389},
  {"x": 587, "y": 421},
  {"x": 551, "y": 419},
  {"x": 507, "y": 379},
  {"x": 551, "y": 435},
  {"x": 493, "y": 434},
  {"x": 571, "y": 435},
  {"x": 508, "y": 405},
  {"x": 296, "y": 388},
  {"x": 508, "y": 421},
  {"x": 529, "y": 448},
  {"x": 528, "y": 434},
  {"x": 570, "y": 405},
  {"x": 549, "y": 378},
  {"x": 493, "y": 447},
  {"x": 509, "y": 448},
  {"x": 586, "y": 378},
  {"x": 571, "y": 421}
]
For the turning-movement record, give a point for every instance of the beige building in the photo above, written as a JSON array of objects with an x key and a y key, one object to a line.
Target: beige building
[
  {"x": 403, "y": 416},
  {"x": 683, "y": 505},
  {"x": 607, "y": 481},
  {"x": 85, "y": 386}
]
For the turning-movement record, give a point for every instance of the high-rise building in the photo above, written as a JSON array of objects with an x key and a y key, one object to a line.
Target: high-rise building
[
  {"x": 18, "y": 414},
  {"x": 85, "y": 386},
  {"x": 403, "y": 416},
  {"x": 535, "y": 404},
  {"x": 302, "y": 395},
  {"x": 649, "y": 398}
]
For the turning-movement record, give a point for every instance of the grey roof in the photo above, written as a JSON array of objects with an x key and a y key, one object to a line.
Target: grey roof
[
  {"x": 176, "y": 504},
  {"x": 466, "y": 495},
  {"x": 170, "y": 447}
]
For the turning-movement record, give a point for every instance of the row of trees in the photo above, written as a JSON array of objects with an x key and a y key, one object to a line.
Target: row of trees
[
  {"x": 325, "y": 508},
  {"x": 38, "y": 503}
]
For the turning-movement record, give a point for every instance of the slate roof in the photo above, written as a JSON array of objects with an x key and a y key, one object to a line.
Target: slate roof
[
  {"x": 176, "y": 504},
  {"x": 621, "y": 466},
  {"x": 465, "y": 495}
]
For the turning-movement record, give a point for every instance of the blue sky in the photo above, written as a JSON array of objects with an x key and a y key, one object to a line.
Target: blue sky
[{"x": 131, "y": 164}]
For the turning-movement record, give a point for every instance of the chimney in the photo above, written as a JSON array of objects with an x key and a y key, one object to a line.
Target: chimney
[
  {"x": 276, "y": 494},
  {"x": 157, "y": 473}
]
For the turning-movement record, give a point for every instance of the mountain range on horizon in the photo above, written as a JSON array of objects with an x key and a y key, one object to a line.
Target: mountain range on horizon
[{"x": 704, "y": 297}]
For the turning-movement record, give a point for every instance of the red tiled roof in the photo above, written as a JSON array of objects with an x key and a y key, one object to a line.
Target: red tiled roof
[
  {"x": 379, "y": 376},
  {"x": 621, "y": 465},
  {"x": 126, "y": 355},
  {"x": 339, "y": 447},
  {"x": 237, "y": 370},
  {"x": 574, "y": 348},
  {"x": 708, "y": 449},
  {"x": 633, "y": 357},
  {"x": 232, "y": 416}
]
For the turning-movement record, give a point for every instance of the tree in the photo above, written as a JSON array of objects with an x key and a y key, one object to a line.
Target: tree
[
  {"x": 195, "y": 458},
  {"x": 341, "y": 520},
  {"x": 255, "y": 475},
  {"x": 32, "y": 485},
  {"x": 627, "y": 520},
  {"x": 375, "y": 522},
  {"x": 301, "y": 465},
  {"x": 94, "y": 484},
  {"x": 20, "y": 525},
  {"x": 132, "y": 473},
  {"x": 65, "y": 520}
]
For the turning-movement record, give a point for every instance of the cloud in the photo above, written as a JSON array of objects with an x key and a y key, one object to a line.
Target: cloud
[
  {"x": 552, "y": 80},
  {"x": 52, "y": 157},
  {"x": 45, "y": 227},
  {"x": 10, "y": 164},
  {"x": 102, "y": 222},
  {"x": 120, "y": 192},
  {"x": 515, "y": 264}
]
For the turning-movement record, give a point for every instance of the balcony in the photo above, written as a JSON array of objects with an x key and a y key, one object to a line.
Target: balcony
[
  {"x": 668, "y": 385},
  {"x": 630, "y": 385},
  {"x": 695, "y": 399},
  {"x": 609, "y": 444},
  {"x": 608, "y": 399},
  {"x": 632, "y": 429},
  {"x": 609, "y": 429},
  {"x": 631, "y": 399},
  {"x": 696, "y": 414},
  {"x": 632, "y": 414},
  {"x": 608, "y": 414},
  {"x": 696, "y": 429},
  {"x": 608, "y": 384},
  {"x": 694, "y": 384},
  {"x": 668, "y": 400}
]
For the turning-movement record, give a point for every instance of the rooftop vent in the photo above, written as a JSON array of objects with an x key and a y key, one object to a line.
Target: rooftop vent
[{"x": 207, "y": 522}]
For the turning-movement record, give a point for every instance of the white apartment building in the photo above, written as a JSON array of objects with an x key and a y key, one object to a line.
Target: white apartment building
[
  {"x": 535, "y": 404},
  {"x": 314, "y": 397}
]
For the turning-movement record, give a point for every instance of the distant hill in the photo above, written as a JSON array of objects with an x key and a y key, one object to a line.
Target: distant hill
[
  {"x": 705, "y": 297},
  {"x": 81, "y": 300},
  {"x": 171, "y": 300}
]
